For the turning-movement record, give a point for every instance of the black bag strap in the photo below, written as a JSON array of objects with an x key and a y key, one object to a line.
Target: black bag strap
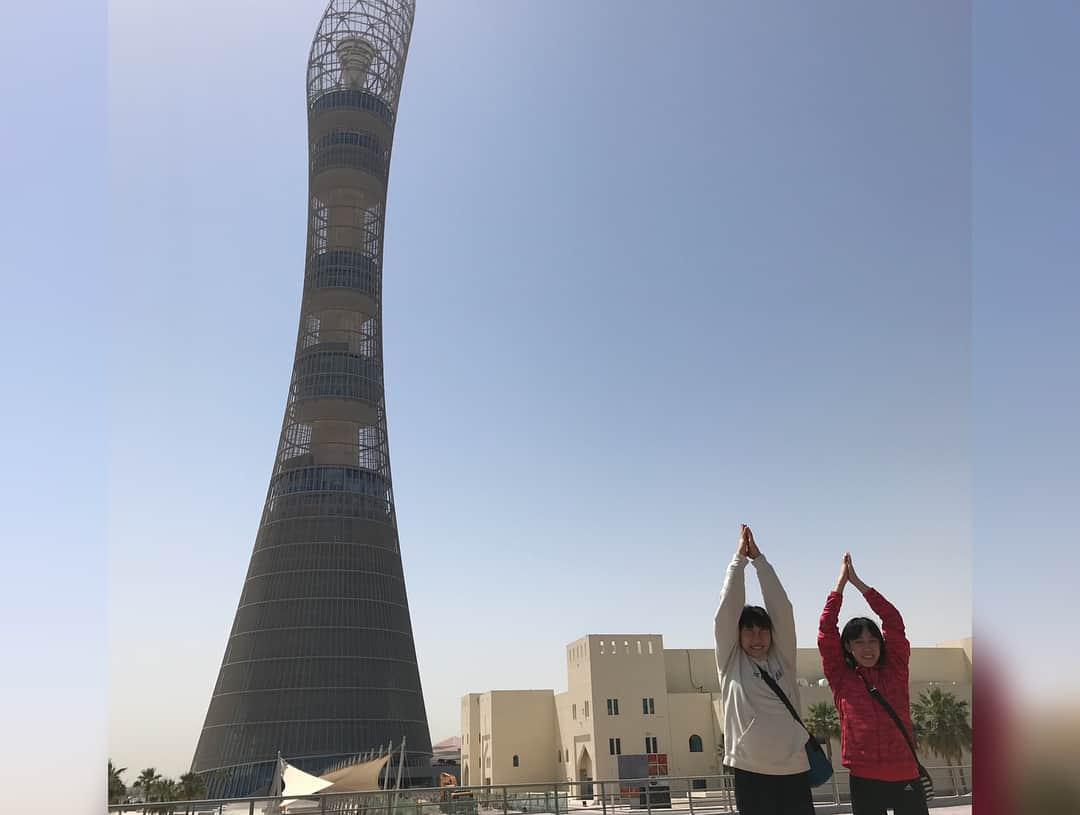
[
  {"x": 764, "y": 673},
  {"x": 892, "y": 713}
]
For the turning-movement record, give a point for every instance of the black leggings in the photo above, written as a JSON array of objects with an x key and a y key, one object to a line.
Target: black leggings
[
  {"x": 872, "y": 797},
  {"x": 758, "y": 794}
]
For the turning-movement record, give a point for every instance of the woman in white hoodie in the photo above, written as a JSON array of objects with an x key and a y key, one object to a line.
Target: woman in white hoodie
[{"x": 763, "y": 743}]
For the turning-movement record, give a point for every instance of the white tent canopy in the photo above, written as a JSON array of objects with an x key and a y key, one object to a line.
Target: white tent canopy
[
  {"x": 296, "y": 782},
  {"x": 360, "y": 777}
]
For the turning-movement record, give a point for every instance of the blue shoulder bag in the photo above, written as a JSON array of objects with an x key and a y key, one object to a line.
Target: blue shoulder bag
[{"x": 820, "y": 767}]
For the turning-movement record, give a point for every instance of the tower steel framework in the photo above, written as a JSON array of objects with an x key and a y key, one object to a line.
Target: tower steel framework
[{"x": 320, "y": 664}]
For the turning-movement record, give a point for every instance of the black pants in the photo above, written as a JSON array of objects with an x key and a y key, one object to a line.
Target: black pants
[
  {"x": 872, "y": 797},
  {"x": 758, "y": 794}
]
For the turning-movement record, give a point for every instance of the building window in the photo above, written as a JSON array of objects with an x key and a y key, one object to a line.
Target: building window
[
  {"x": 650, "y": 745},
  {"x": 612, "y": 707},
  {"x": 615, "y": 746},
  {"x": 515, "y": 761},
  {"x": 699, "y": 783},
  {"x": 586, "y": 708},
  {"x": 573, "y": 712},
  {"x": 558, "y": 756},
  {"x": 695, "y": 744},
  {"x": 650, "y": 646},
  {"x": 648, "y": 706},
  {"x": 639, "y": 647}
]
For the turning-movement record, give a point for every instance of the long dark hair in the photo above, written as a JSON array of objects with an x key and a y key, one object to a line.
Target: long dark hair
[{"x": 853, "y": 630}]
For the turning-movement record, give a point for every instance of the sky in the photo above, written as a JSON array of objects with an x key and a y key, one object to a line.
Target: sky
[
  {"x": 646, "y": 277},
  {"x": 1025, "y": 338}
]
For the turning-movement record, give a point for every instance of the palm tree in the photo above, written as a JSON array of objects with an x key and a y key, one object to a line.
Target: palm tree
[
  {"x": 940, "y": 722},
  {"x": 117, "y": 788},
  {"x": 166, "y": 790},
  {"x": 822, "y": 721},
  {"x": 146, "y": 781},
  {"x": 192, "y": 787}
]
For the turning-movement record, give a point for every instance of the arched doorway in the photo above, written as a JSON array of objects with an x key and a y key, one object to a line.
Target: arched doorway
[{"x": 585, "y": 774}]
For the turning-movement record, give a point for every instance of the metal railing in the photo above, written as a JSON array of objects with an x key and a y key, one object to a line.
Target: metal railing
[{"x": 701, "y": 795}]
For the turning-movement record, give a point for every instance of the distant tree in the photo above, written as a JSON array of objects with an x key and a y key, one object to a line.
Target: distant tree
[
  {"x": 824, "y": 723},
  {"x": 166, "y": 790},
  {"x": 940, "y": 721},
  {"x": 163, "y": 793},
  {"x": 192, "y": 787},
  {"x": 146, "y": 781},
  {"x": 117, "y": 788}
]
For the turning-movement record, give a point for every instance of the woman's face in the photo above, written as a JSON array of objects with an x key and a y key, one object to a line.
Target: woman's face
[
  {"x": 755, "y": 641},
  {"x": 865, "y": 649}
]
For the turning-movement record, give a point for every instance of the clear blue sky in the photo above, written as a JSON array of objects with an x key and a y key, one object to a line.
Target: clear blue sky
[
  {"x": 1026, "y": 343},
  {"x": 646, "y": 277}
]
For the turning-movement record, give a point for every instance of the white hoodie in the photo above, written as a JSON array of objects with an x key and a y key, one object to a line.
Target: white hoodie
[{"x": 760, "y": 734}]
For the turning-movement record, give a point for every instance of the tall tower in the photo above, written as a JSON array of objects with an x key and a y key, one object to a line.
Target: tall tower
[{"x": 320, "y": 664}]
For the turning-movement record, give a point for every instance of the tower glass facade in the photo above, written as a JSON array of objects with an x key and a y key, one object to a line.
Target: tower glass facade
[{"x": 320, "y": 664}]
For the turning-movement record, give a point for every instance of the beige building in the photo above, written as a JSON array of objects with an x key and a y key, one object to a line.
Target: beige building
[{"x": 627, "y": 694}]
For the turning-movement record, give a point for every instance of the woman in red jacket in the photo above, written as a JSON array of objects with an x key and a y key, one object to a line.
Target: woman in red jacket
[{"x": 884, "y": 773}]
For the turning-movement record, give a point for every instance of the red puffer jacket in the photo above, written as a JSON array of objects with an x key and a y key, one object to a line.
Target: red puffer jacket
[{"x": 871, "y": 745}]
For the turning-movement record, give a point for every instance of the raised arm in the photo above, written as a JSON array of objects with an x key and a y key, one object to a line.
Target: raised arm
[
  {"x": 732, "y": 600},
  {"x": 776, "y": 603},
  {"x": 897, "y": 647},
  {"x": 828, "y": 638}
]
